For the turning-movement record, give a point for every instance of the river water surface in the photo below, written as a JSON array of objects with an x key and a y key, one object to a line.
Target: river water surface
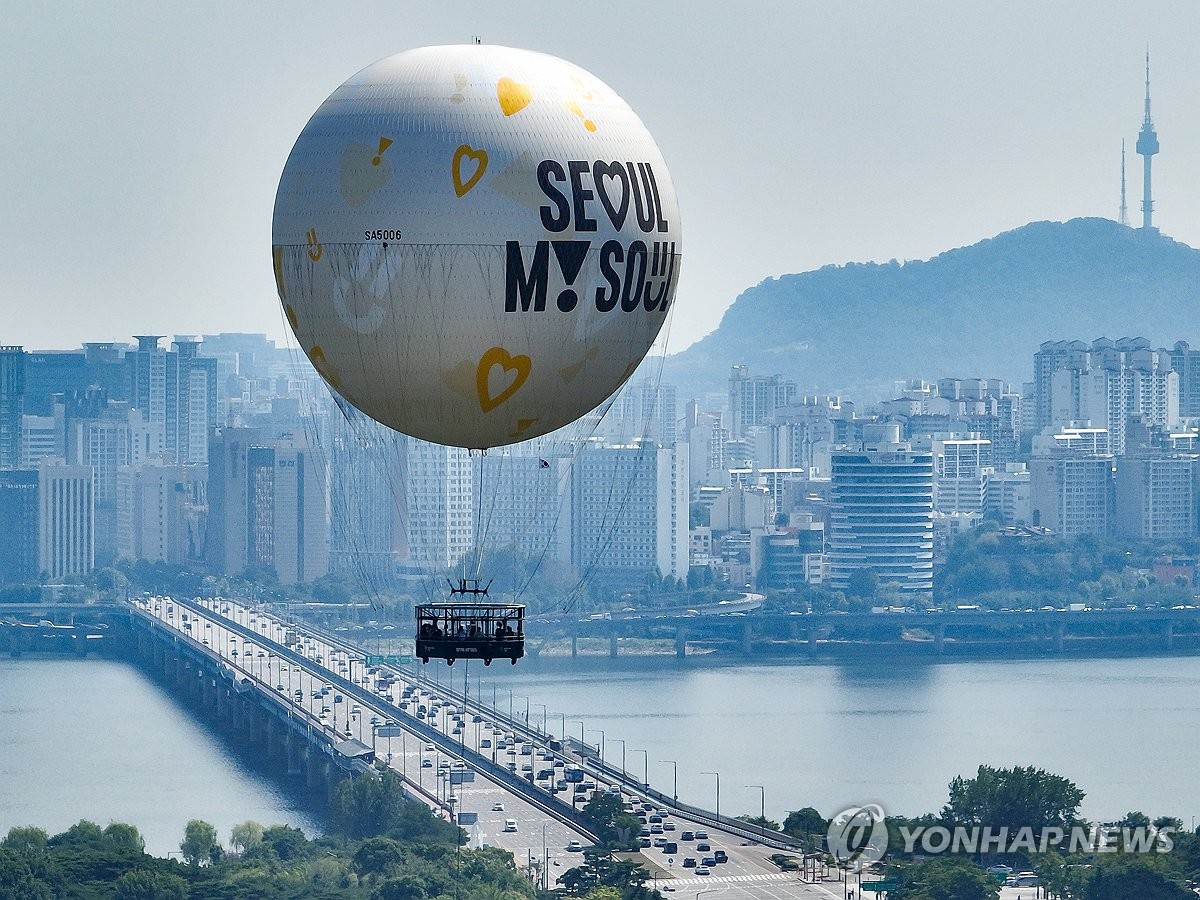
[{"x": 96, "y": 739}]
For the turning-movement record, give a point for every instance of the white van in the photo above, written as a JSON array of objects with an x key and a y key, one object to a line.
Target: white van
[{"x": 510, "y": 824}]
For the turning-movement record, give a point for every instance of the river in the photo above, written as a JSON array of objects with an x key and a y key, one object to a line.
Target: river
[
  {"x": 96, "y": 739},
  {"x": 895, "y": 733}
]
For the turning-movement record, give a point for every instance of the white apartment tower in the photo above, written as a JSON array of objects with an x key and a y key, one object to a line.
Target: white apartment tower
[
  {"x": 439, "y": 488},
  {"x": 631, "y": 511},
  {"x": 1156, "y": 497},
  {"x": 961, "y": 471}
]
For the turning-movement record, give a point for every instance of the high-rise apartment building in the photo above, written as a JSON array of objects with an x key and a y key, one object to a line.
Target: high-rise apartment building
[
  {"x": 526, "y": 504},
  {"x": 439, "y": 489},
  {"x": 1071, "y": 482},
  {"x": 268, "y": 505},
  {"x": 368, "y": 503},
  {"x": 1104, "y": 384},
  {"x": 881, "y": 515},
  {"x": 1156, "y": 497},
  {"x": 961, "y": 469},
  {"x": 161, "y": 512},
  {"x": 631, "y": 512},
  {"x": 1186, "y": 363},
  {"x": 754, "y": 399},
  {"x": 176, "y": 389}
]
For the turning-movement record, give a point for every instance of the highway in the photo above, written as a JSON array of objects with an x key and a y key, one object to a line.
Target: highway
[{"x": 439, "y": 740}]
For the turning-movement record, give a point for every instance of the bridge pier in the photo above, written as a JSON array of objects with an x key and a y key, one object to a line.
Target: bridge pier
[
  {"x": 311, "y": 762},
  {"x": 292, "y": 754},
  {"x": 574, "y": 646},
  {"x": 1169, "y": 635},
  {"x": 612, "y": 642},
  {"x": 272, "y": 737},
  {"x": 747, "y": 639},
  {"x": 939, "y": 639},
  {"x": 1060, "y": 636},
  {"x": 680, "y": 641}
]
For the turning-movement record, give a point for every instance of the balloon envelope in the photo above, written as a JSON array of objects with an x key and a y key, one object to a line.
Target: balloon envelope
[{"x": 475, "y": 245}]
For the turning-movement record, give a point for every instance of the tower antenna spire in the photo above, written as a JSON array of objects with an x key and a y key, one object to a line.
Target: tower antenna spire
[
  {"x": 1147, "y": 146},
  {"x": 1123, "y": 216}
]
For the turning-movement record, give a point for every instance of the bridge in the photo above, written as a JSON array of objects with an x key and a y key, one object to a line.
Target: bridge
[
  {"x": 754, "y": 632},
  {"x": 270, "y": 682}
]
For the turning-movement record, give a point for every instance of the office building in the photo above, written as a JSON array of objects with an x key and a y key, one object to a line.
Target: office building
[
  {"x": 19, "y": 534},
  {"x": 12, "y": 405},
  {"x": 66, "y": 519},
  {"x": 881, "y": 515}
]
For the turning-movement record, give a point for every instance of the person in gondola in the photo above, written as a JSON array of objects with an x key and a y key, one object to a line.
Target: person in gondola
[
  {"x": 461, "y": 634},
  {"x": 474, "y": 632}
]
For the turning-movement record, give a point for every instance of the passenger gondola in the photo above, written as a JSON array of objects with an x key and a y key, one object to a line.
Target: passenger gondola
[{"x": 473, "y": 629}]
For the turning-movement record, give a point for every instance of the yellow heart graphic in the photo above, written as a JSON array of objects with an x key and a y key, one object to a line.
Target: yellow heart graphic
[
  {"x": 277, "y": 254},
  {"x": 513, "y": 96},
  {"x": 479, "y": 157},
  {"x": 498, "y": 356}
]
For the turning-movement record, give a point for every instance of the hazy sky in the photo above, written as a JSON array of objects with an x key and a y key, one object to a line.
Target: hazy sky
[{"x": 141, "y": 143}]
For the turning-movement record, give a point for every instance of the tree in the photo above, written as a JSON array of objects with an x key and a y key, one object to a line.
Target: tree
[
  {"x": 83, "y": 834},
  {"x": 405, "y": 887},
  {"x": 1162, "y": 823},
  {"x": 863, "y": 583},
  {"x": 1016, "y": 798},
  {"x": 613, "y": 826},
  {"x": 144, "y": 884},
  {"x": 368, "y": 806},
  {"x": 284, "y": 841},
  {"x": 26, "y": 839},
  {"x": 125, "y": 837},
  {"x": 379, "y": 856},
  {"x": 947, "y": 878},
  {"x": 805, "y": 823},
  {"x": 18, "y": 880},
  {"x": 199, "y": 842},
  {"x": 243, "y": 837},
  {"x": 1129, "y": 875},
  {"x": 760, "y": 822}
]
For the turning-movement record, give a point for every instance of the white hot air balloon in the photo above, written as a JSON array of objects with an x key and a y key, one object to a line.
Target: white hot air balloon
[{"x": 475, "y": 245}]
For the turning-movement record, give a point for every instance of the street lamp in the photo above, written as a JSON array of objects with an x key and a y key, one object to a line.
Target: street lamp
[
  {"x": 708, "y": 891},
  {"x": 718, "y": 777},
  {"x": 622, "y": 743},
  {"x": 645, "y": 766},
  {"x": 762, "y": 803},
  {"x": 543, "y": 706},
  {"x": 675, "y": 787},
  {"x": 582, "y": 742},
  {"x": 600, "y": 731}
]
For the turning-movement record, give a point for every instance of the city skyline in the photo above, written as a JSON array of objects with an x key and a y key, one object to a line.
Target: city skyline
[{"x": 854, "y": 135}]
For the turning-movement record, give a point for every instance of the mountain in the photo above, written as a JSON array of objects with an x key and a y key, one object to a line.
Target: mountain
[{"x": 977, "y": 311}]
